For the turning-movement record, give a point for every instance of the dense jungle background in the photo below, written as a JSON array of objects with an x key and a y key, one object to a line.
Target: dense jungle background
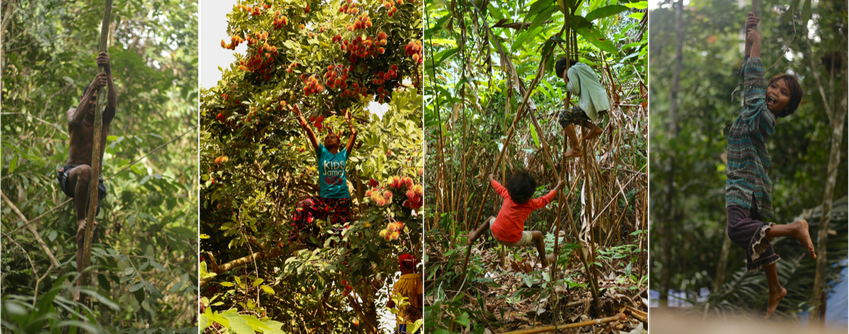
[
  {"x": 144, "y": 249},
  {"x": 696, "y": 48},
  {"x": 492, "y": 101}
]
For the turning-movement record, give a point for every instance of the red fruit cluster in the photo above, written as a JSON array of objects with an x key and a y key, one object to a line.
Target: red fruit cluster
[
  {"x": 390, "y": 4},
  {"x": 221, "y": 117},
  {"x": 279, "y": 21},
  {"x": 333, "y": 79},
  {"x": 317, "y": 122},
  {"x": 349, "y": 8},
  {"x": 355, "y": 91},
  {"x": 307, "y": 10},
  {"x": 291, "y": 67},
  {"x": 234, "y": 42},
  {"x": 311, "y": 85},
  {"x": 414, "y": 50},
  {"x": 362, "y": 23},
  {"x": 362, "y": 48},
  {"x": 254, "y": 11},
  {"x": 414, "y": 197},
  {"x": 373, "y": 183},
  {"x": 379, "y": 197}
]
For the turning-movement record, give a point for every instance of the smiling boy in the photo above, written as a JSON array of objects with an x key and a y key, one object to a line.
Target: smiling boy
[{"x": 748, "y": 187}]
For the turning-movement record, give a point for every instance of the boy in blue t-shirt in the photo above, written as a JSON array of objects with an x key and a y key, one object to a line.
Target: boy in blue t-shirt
[{"x": 334, "y": 201}]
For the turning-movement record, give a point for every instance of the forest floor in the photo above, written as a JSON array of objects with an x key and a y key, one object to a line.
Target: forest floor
[{"x": 516, "y": 296}]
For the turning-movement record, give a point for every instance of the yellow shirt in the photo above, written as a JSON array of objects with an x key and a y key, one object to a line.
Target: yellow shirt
[{"x": 410, "y": 286}]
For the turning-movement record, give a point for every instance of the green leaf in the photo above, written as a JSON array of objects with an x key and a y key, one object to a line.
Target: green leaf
[
  {"x": 534, "y": 134},
  {"x": 806, "y": 12},
  {"x": 203, "y": 322},
  {"x": 275, "y": 327},
  {"x": 789, "y": 14},
  {"x": 593, "y": 36},
  {"x": 267, "y": 289},
  {"x": 238, "y": 324},
  {"x": 638, "y": 5},
  {"x": 255, "y": 323},
  {"x": 257, "y": 282},
  {"x": 13, "y": 164},
  {"x": 541, "y": 18},
  {"x": 605, "y": 12},
  {"x": 463, "y": 320}
]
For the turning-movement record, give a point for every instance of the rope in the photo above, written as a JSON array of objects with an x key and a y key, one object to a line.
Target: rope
[{"x": 107, "y": 178}]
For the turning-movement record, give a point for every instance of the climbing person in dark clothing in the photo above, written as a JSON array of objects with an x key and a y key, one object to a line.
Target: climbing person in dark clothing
[{"x": 748, "y": 186}]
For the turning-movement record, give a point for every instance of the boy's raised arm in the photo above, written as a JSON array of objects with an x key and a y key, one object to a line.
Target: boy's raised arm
[{"x": 303, "y": 122}]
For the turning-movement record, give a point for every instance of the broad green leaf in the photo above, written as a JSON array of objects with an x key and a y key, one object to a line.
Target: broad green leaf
[
  {"x": 605, "y": 12},
  {"x": 806, "y": 12},
  {"x": 238, "y": 324},
  {"x": 596, "y": 38}
]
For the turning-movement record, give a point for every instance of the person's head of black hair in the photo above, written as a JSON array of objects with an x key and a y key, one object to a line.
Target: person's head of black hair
[
  {"x": 84, "y": 91},
  {"x": 560, "y": 65},
  {"x": 521, "y": 186}
]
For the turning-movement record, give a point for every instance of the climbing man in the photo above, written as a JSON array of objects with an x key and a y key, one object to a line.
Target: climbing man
[
  {"x": 75, "y": 176},
  {"x": 582, "y": 82}
]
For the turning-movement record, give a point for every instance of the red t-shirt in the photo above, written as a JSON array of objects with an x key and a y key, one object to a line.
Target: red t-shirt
[{"x": 510, "y": 223}]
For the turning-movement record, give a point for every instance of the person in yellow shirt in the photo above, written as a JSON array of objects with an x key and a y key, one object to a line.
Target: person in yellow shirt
[{"x": 411, "y": 287}]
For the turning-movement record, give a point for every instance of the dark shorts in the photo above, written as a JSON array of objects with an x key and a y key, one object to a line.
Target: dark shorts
[
  {"x": 575, "y": 115},
  {"x": 747, "y": 229},
  {"x": 62, "y": 177}
]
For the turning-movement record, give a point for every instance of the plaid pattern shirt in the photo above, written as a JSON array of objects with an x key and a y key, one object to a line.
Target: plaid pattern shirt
[{"x": 748, "y": 158}]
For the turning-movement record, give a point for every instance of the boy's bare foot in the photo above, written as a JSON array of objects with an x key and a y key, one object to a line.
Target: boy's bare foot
[
  {"x": 471, "y": 236},
  {"x": 804, "y": 237},
  {"x": 593, "y": 133},
  {"x": 573, "y": 153},
  {"x": 551, "y": 258},
  {"x": 774, "y": 298},
  {"x": 544, "y": 261}
]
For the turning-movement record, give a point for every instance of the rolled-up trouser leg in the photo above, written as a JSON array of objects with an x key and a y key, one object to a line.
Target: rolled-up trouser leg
[{"x": 748, "y": 231}]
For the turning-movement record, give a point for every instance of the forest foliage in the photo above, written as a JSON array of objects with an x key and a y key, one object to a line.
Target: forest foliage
[
  {"x": 688, "y": 195},
  {"x": 144, "y": 250},
  {"x": 257, "y": 163},
  {"x": 480, "y": 62}
]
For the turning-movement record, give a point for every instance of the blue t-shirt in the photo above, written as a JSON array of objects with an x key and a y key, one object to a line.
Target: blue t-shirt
[{"x": 332, "y": 174}]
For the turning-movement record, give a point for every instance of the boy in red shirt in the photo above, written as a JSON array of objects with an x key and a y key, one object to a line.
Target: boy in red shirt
[{"x": 508, "y": 227}]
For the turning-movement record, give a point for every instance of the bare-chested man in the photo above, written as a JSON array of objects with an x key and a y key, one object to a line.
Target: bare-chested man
[{"x": 75, "y": 176}]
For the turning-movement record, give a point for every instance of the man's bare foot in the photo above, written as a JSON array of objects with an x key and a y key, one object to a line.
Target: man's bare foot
[
  {"x": 593, "y": 133},
  {"x": 544, "y": 261},
  {"x": 573, "y": 153},
  {"x": 471, "y": 235},
  {"x": 774, "y": 298},
  {"x": 804, "y": 237},
  {"x": 81, "y": 226}
]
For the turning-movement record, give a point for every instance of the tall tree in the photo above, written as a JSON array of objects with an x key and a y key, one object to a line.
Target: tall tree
[
  {"x": 667, "y": 221},
  {"x": 835, "y": 108}
]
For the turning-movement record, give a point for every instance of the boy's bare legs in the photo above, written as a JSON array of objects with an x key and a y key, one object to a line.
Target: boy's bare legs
[
  {"x": 573, "y": 142},
  {"x": 594, "y": 130},
  {"x": 477, "y": 233},
  {"x": 797, "y": 230},
  {"x": 539, "y": 241},
  {"x": 776, "y": 291}
]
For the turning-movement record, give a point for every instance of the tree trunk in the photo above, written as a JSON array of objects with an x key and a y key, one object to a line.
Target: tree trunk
[
  {"x": 723, "y": 262},
  {"x": 831, "y": 178},
  {"x": 665, "y": 226},
  {"x": 7, "y": 18}
]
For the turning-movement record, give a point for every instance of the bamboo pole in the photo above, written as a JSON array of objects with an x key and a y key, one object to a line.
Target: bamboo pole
[
  {"x": 618, "y": 317},
  {"x": 95, "y": 150}
]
